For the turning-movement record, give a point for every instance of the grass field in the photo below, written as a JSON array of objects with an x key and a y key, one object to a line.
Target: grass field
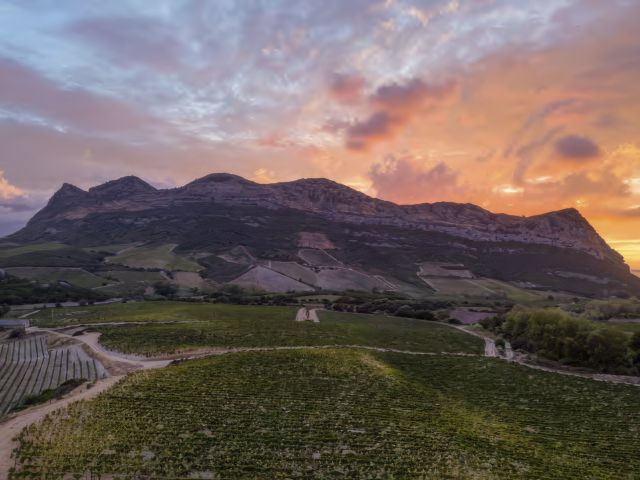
[
  {"x": 220, "y": 325},
  {"x": 111, "y": 248},
  {"x": 75, "y": 276},
  {"x": 134, "y": 276},
  {"x": 156, "y": 256},
  {"x": 342, "y": 414},
  {"x": 458, "y": 286}
]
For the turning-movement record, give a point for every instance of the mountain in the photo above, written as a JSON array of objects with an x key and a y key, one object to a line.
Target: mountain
[{"x": 322, "y": 229}]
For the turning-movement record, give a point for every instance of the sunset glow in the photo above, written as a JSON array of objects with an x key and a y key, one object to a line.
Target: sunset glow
[{"x": 518, "y": 107}]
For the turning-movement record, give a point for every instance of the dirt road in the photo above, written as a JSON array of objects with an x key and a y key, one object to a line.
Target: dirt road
[
  {"x": 490, "y": 348},
  {"x": 116, "y": 364},
  {"x": 13, "y": 425},
  {"x": 307, "y": 315}
]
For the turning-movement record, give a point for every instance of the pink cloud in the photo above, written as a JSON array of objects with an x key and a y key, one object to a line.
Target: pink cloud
[
  {"x": 346, "y": 88},
  {"x": 395, "y": 105},
  {"x": 403, "y": 180}
]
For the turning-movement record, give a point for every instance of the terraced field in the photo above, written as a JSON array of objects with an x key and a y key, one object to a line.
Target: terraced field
[
  {"x": 28, "y": 367},
  {"x": 341, "y": 414}
]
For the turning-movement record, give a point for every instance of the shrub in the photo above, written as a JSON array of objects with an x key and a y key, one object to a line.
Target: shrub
[{"x": 559, "y": 336}]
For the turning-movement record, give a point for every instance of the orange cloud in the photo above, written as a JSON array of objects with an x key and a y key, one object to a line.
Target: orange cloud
[
  {"x": 405, "y": 180},
  {"x": 8, "y": 191}
]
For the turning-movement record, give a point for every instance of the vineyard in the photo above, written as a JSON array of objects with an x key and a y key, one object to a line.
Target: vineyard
[
  {"x": 216, "y": 325},
  {"x": 281, "y": 330},
  {"x": 341, "y": 414},
  {"x": 28, "y": 367}
]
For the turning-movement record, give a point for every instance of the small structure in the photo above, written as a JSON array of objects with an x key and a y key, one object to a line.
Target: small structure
[{"x": 14, "y": 323}]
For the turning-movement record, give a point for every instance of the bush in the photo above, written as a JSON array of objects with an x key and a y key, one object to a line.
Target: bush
[
  {"x": 606, "y": 309},
  {"x": 559, "y": 336}
]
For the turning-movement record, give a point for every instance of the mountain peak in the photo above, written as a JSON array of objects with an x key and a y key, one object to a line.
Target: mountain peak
[
  {"x": 66, "y": 193},
  {"x": 68, "y": 188},
  {"x": 124, "y": 186},
  {"x": 221, "y": 178}
]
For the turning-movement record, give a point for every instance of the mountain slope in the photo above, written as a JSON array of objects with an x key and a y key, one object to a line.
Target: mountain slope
[{"x": 220, "y": 212}]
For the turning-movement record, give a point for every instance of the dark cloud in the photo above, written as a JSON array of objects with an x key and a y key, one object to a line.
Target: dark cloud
[
  {"x": 346, "y": 88},
  {"x": 410, "y": 95},
  {"x": 575, "y": 147},
  {"x": 377, "y": 126},
  {"x": 403, "y": 181},
  {"x": 16, "y": 207},
  {"x": 395, "y": 105}
]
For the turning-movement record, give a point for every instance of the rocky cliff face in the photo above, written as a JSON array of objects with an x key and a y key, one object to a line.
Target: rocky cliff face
[{"x": 564, "y": 229}]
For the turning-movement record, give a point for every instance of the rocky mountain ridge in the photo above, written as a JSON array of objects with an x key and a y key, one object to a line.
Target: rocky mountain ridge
[{"x": 333, "y": 201}]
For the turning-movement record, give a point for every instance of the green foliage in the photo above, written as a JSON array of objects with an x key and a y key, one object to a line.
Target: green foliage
[
  {"x": 559, "y": 336},
  {"x": 614, "y": 308},
  {"x": 165, "y": 289},
  {"x": 60, "y": 256},
  {"x": 51, "y": 393},
  {"x": 15, "y": 291},
  {"x": 341, "y": 414}
]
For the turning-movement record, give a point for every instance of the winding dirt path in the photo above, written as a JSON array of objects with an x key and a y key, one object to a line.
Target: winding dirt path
[
  {"x": 119, "y": 364},
  {"x": 14, "y": 424}
]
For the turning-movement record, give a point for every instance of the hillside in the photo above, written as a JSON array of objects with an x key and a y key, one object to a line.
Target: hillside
[{"x": 314, "y": 234}]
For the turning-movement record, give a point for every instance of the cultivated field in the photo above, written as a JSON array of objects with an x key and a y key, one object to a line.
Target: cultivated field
[
  {"x": 38, "y": 247},
  {"x": 318, "y": 258},
  {"x": 75, "y": 276},
  {"x": 28, "y": 367},
  {"x": 342, "y": 414},
  {"x": 262, "y": 278},
  {"x": 252, "y": 326},
  {"x": 158, "y": 256}
]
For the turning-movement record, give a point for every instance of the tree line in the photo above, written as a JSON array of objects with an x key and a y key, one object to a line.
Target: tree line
[{"x": 559, "y": 336}]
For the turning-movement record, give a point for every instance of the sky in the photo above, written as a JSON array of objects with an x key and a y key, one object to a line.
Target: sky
[{"x": 518, "y": 106}]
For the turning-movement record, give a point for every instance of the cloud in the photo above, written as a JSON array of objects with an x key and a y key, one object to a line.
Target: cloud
[
  {"x": 598, "y": 184},
  {"x": 527, "y": 154},
  {"x": 8, "y": 191},
  {"x": 377, "y": 127},
  {"x": 395, "y": 105},
  {"x": 133, "y": 41},
  {"x": 404, "y": 180},
  {"x": 409, "y": 96},
  {"x": 346, "y": 89},
  {"x": 28, "y": 92},
  {"x": 575, "y": 147}
]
